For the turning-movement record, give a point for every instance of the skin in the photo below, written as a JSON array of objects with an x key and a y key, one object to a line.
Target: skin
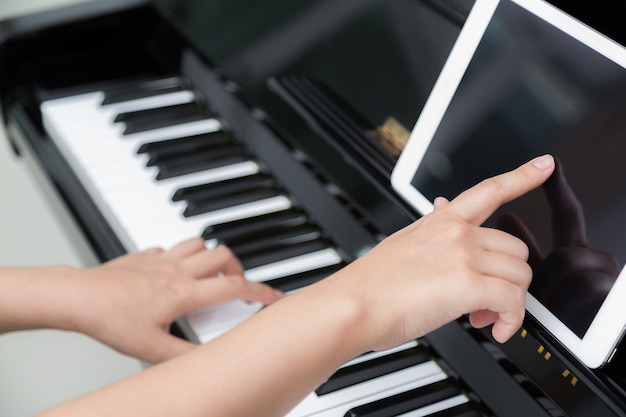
[
  {"x": 154, "y": 287},
  {"x": 437, "y": 269}
]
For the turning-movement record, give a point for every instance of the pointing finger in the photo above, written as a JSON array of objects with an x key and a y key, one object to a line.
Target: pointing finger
[{"x": 481, "y": 201}]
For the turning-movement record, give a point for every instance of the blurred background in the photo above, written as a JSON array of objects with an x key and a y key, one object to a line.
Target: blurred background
[{"x": 45, "y": 367}]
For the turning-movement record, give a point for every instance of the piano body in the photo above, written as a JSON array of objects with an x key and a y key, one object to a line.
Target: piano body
[{"x": 271, "y": 127}]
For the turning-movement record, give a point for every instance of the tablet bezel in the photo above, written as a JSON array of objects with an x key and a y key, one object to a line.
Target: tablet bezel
[{"x": 606, "y": 330}]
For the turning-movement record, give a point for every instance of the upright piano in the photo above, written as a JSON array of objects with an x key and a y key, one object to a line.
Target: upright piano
[{"x": 272, "y": 127}]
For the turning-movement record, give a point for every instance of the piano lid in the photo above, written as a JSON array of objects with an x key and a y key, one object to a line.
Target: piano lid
[{"x": 380, "y": 57}]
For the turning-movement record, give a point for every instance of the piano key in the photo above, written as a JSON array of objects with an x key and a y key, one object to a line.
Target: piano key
[
  {"x": 235, "y": 232},
  {"x": 140, "y": 196},
  {"x": 168, "y": 148},
  {"x": 279, "y": 239},
  {"x": 281, "y": 253},
  {"x": 147, "y": 228},
  {"x": 70, "y": 109},
  {"x": 211, "y": 321},
  {"x": 294, "y": 265},
  {"x": 142, "y": 89},
  {"x": 303, "y": 279},
  {"x": 102, "y": 139},
  {"x": 159, "y": 117},
  {"x": 200, "y": 162},
  {"x": 195, "y": 208},
  {"x": 224, "y": 188},
  {"x": 407, "y": 401},
  {"x": 362, "y": 372},
  {"x": 467, "y": 409},
  {"x": 337, "y": 403}
]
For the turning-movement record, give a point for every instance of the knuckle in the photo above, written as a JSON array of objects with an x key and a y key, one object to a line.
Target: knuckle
[
  {"x": 223, "y": 252},
  {"x": 179, "y": 288},
  {"x": 492, "y": 186}
]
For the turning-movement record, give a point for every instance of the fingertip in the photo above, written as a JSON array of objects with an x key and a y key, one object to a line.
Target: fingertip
[
  {"x": 503, "y": 331},
  {"x": 271, "y": 296},
  {"x": 440, "y": 202},
  {"x": 543, "y": 162},
  {"x": 187, "y": 247},
  {"x": 153, "y": 251}
]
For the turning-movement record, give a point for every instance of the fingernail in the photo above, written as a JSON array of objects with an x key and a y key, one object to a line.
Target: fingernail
[
  {"x": 543, "y": 162},
  {"x": 279, "y": 294}
]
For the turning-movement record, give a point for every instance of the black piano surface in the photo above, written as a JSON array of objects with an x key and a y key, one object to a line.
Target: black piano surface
[{"x": 308, "y": 83}]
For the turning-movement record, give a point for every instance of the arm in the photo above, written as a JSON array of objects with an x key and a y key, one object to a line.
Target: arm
[
  {"x": 130, "y": 302},
  {"x": 432, "y": 272}
]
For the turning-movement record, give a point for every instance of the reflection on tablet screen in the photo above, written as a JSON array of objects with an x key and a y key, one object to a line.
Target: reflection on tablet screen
[{"x": 526, "y": 93}]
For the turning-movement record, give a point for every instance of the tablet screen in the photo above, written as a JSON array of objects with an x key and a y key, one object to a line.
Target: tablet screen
[{"x": 532, "y": 89}]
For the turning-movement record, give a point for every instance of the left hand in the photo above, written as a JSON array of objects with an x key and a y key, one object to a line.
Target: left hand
[{"x": 130, "y": 302}]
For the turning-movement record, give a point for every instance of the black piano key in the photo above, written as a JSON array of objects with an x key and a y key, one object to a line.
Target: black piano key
[
  {"x": 278, "y": 254},
  {"x": 142, "y": 90},
  {"x": 254, "y": 227},
  {"x": 195, "y": 208},
  {"x": 160, "y": 117},
  {"x": 284, "y": 238},
  {"x": 180, "y": 146},
  {"x": 303, "y": 279},
  {"x": 364, "y": 371},
  {"x": 220, "y": 189},
  {"x": 200, "y": 154},
  {"x": 468, "y": 409},
  {"x": 197, "y": 163},
  {"x": 404, "y": 402}
]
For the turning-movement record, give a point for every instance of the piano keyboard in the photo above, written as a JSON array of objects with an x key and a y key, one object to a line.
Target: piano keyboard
[{"x": 162, "y": 169}]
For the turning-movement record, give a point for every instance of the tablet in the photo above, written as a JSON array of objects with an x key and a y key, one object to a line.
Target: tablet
[{"x": 524, "y": 79}]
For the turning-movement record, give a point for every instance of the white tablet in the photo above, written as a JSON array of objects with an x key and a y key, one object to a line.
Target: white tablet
[{"x": 524, "y": 79}]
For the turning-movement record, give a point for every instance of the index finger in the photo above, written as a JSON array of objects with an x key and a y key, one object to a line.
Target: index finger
[{"x": 476, "y": 204}]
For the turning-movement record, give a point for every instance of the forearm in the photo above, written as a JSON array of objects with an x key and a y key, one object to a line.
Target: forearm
[
  {"x": 32, "y": 298},
  {"x": 288, "y": 349}
]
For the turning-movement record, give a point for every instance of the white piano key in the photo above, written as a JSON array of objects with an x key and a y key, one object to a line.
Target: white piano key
[
  {"x": 338, "y": 402},
  {"x": 125, "y": 188},
  {"x": 420, "y": 412},
  {"x": 438, "y": 406},
  {"x": 377, "y": 354},
  {"x": 68, "y": 108},
  {"x": 302, "y": 263},
  {"x": 144, "y": 103},
  {"x": 215, "y": 318}
]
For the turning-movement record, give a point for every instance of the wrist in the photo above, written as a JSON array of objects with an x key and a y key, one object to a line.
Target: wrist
[{"x": 36, "y": 298}]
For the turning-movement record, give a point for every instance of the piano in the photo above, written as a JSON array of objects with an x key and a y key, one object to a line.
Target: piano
[{"x": 271, "y": 127}]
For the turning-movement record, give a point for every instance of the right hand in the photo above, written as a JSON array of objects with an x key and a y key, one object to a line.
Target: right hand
[{"x": 446, "y": 265}]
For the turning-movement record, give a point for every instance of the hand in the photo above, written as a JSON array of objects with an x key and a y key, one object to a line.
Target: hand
[
  {"x": 130, "y": 302},
  {"x": 446, "y": 265},
  {"x": 571, "y": 258}
]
